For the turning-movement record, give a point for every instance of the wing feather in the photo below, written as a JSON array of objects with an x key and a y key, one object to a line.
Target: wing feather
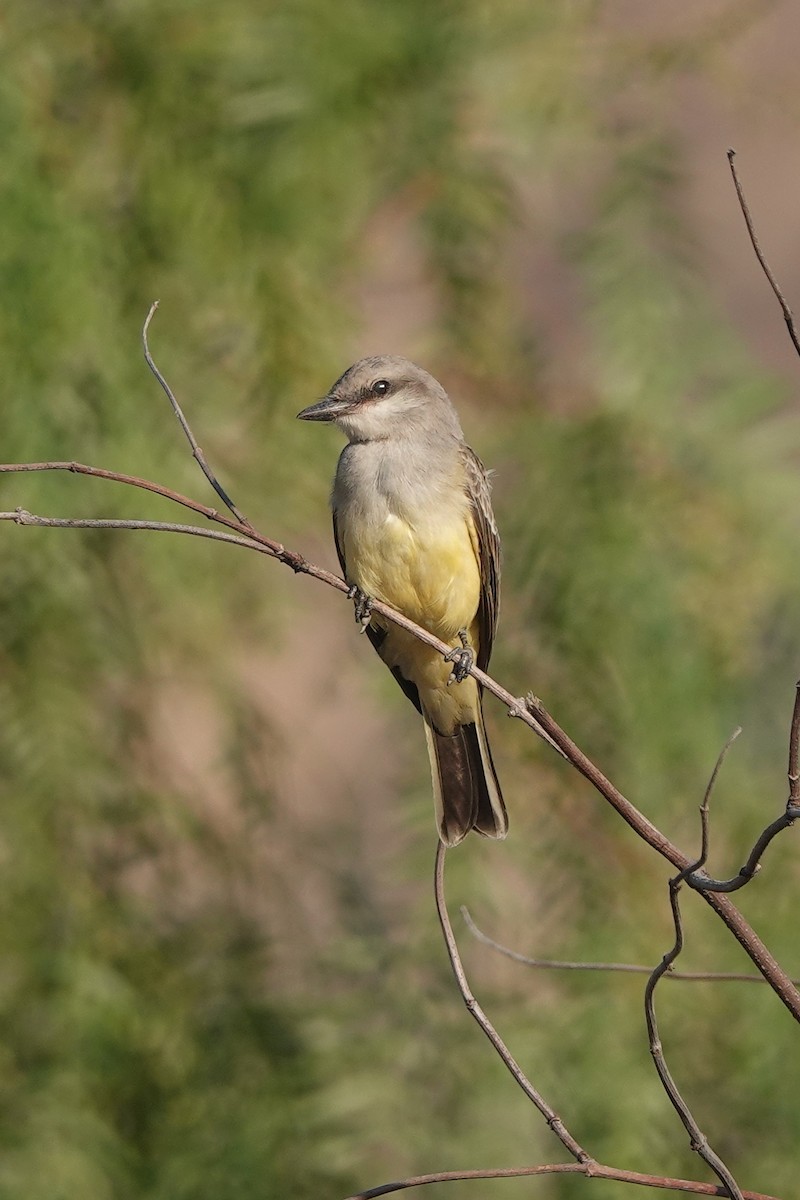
[{"x": 488, "y": 553}]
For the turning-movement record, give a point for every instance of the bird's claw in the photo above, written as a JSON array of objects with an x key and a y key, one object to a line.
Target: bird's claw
[
  {"x": 462, "y": 658},
  {"x": 362, "y": 606}
]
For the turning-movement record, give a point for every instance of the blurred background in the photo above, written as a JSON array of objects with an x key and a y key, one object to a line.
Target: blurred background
[{"x": 220, "y": 969}]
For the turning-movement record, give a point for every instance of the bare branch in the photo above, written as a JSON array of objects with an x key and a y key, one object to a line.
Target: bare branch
[
  {"x": 176, "y": 408},
  {"x": 697, "y": 1139},
  {"x": 589, "y": 1170},
  {"x": 788, "y": 315},
  {"x": 704, "y": 807},
  {"x": 273, "y": 548},
  {"x": 761, "y": 957},
  {"x": 475, "y": 1010},
  {"x": 21, "y": 516},
  {"x": 584, "y": 1165},
  {"x": 551, "y": 964},
  {"x": 702, "y": 882},
  {"x": 529, "y": 709}
]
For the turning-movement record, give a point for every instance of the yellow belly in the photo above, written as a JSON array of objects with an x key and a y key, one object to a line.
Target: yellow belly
[{"x": 431, "y": 576}]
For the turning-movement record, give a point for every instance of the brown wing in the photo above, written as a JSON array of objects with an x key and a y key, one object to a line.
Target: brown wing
[
  {"x": 339, "y": 547},
  {"x": 488, "y": 549}
]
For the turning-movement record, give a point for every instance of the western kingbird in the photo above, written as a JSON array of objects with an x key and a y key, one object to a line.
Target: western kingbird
[{"x": 413, "y": 524}]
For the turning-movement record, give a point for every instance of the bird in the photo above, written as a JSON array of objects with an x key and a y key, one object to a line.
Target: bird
[{"x": 414, "y": 528}]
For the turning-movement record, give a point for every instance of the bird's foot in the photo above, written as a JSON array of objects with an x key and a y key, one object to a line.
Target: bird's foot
[
  {"x": 362, "y": 605},
  {"x": 462, "y": 658}
]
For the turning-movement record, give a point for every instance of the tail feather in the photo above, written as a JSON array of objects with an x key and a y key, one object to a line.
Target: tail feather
[
  {"x": 492, "y": 818},
  {"x": 466, "y": 790}
]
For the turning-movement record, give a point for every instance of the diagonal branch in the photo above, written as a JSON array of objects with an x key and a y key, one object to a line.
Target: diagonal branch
[
  {"x": 769, "y": 967},
  {"x": 788, "y": 315},
  {"x": 529, "y": 710},
  {"x": 473, "y": 1007}
]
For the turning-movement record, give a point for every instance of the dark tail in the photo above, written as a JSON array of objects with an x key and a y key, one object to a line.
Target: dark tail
[{"x": 466, "y": 790}]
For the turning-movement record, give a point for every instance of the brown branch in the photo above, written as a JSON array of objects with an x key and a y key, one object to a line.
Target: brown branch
[
  {"x": 273, "y": 548},
  {"x": 21, "y": 516},
  {"x": 699, "y": 880},
  {"x": 788, "y": 315},
  {"x": 532, "y": 712},
  {"x": 588, "y": 1170},
  {"x": 747, "y": 938},
  {"x": 529, "y": 710},
  {"x": 473, "y": 1007},
  {"x": 553, "y": 964},
  {"x": 585, "y": 1165},
  {"x": 697, "y": 1139},
  {"x": 176, "y": 408}
]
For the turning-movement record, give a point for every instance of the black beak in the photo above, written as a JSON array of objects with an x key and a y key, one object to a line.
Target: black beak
[{"x": 326, "y": 409}]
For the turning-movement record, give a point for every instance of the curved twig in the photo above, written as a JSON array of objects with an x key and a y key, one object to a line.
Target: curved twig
[
  {"x": 703, "y": 883},
  {"x": 473, "y": 1007},
  {"x": 176, "y": 408},
  {"x": 697, "y": 1139},
  {"x": 788, "y": 315},
  {"x": 553, "y": 964}
]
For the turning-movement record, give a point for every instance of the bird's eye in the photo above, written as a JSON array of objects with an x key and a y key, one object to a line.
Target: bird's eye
[{"x": 381, "y": 387}]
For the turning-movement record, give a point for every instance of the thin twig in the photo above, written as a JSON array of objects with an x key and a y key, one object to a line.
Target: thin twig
[
  {"x": 552, "y": 964},
  {"x": 475, "y": 1010},
  {"x": 704, "y": 883},
  {"x": 272, "y": 548},
  {"x": 704, "y": 807},
  {"x": 699, "y": 880},
  {"x": 794, "y": 754},
  {"x": 788, "y": 315},
  {"x": 176, "y": 408},
  {"x": 697, "y": 1139},
  {"x": 21, "y": 516}
]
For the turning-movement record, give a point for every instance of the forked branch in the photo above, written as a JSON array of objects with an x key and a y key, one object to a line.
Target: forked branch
[{"x": 584, "y": 1164}]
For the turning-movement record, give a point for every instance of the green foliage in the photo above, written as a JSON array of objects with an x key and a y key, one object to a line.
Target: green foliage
[{"x": 215, "y": 982}]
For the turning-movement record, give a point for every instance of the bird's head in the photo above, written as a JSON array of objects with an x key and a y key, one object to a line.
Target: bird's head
[{"x": 383, "y": 397}]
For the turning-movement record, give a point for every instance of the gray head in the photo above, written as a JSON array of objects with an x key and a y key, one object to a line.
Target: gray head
[{"x": 387, "y": 397}]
